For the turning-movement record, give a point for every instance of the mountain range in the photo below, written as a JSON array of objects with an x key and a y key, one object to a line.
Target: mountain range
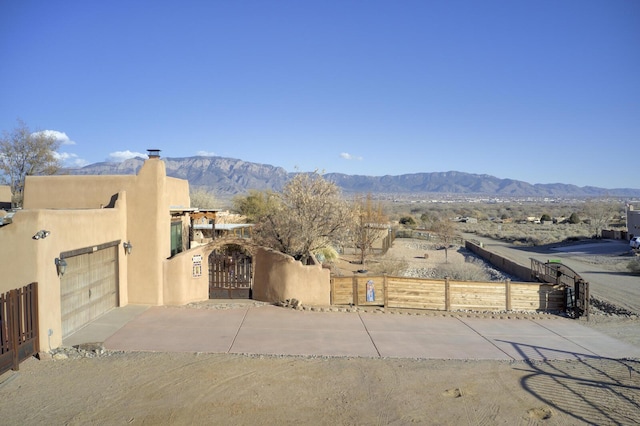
[{"x": 226, "y": 177}]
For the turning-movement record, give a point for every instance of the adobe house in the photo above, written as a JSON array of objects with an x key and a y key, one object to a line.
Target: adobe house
[
  {"x": 633, "y": 222},
  {"x": 94, "y": 243}
]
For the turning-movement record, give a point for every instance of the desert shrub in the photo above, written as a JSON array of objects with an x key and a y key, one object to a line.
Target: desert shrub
[
  {"x": 407, "y": 221},
  {"x": 392, "y": 266},
  {"x": 574, "y": 219},
  {"x": 634, "y": 266},
  {"x": 528, "y": 234},
  {"x": 468, "y": 271},
  {"x": 545, "y": 218},
  {"x": 326, "y": 254}
]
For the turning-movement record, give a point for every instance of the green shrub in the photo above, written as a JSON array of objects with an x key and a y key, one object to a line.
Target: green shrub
[
  {"x": 407, "y": 221},
  {"x": 574, "y": 219}
]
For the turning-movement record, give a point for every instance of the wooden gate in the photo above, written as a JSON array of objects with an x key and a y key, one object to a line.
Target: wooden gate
[
  {"x": 576, "y": 289},
  {"x": 230, "y": 273},
  {"x": 18, "y": 326}
]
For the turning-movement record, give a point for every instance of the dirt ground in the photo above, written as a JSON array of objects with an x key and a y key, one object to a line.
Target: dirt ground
[{"x": 195, "y": 388}]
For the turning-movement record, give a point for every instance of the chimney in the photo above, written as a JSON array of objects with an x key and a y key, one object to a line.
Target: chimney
[{"x": 153, "y": 153}]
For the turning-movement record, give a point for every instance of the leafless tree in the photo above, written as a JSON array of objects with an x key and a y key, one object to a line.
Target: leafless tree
[
  {"x": 598, "y": 213},
  {"x": 446, "y": 230},
  {"x": 202, "y": 199},
  {"x": 24, "y": 153},
  {"x": 370, "y": 225},
  {"x": 309, "y": 215}
]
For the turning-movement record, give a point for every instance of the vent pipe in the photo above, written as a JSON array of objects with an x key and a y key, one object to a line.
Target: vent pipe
[{"x": 153, "y": 153}]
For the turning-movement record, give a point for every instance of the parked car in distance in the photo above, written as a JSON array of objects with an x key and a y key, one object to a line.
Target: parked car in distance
[{"x": 635, "y": 243}]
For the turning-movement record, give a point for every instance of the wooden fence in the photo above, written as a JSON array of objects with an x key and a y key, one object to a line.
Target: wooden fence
[
  {"x": 446, "y": 295},
  {"x": 18, "y": 326}
]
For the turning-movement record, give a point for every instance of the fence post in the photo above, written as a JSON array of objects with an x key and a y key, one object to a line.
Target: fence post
[
  {"x": 507, "y": 291},
  {"x": 35, "y": 316},
  {"x": 386, "y": 291},
  {"x": 14, "y": 328},
  {"x": 447, "y": 295},
  {"x": 355, "y": 289},
  {"x": 332, "y": 286}
]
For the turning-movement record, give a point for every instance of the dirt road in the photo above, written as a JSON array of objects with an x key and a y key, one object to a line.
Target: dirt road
[{"x": 203, "y": 389}]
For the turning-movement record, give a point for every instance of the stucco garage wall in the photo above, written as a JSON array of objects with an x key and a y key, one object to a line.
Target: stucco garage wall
[
  {"x": 279, "y": 277},
  {"x": 32, "y": 260}
]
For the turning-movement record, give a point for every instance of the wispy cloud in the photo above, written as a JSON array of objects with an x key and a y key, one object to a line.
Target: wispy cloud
[
  {"x": 206, "y": 154},
  {"x": 120, "y": 156},
  {"x": 58, "y": 136},
  {"x": 70, "y": 160},
  {"x": 348, "y": 156}
]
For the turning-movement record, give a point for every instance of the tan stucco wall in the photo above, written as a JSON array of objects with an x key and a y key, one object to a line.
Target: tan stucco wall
[
  {"x": 279, "y": 277},
  {"x": 151, "y": 194},
  {"x": 5, "y": 194},
  {"x": 74, "y": 192},
  {"x": 180, "y": 285},
  {"x": 25, "y": 260},
  {"x": 149, "y": 228},
  {"x": 633, "y": 222}
]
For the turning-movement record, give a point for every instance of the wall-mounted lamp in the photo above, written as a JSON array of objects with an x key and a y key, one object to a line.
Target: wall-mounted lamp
[
  {"x": 41, "y": 234},
  {"x": 127, "y": 247},
  {"x": 61, "y": 266}
]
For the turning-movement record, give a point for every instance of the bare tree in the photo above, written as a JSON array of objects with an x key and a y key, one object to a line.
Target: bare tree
[
  {"x": 309, "y": 215},
  {"x": 370, "y": 225},
  {"x": 446, "y": 230},
  {"x": 599, "y": 214},
  {"x": 22, "y": 154},
  {"x": 202, "y": 199}
]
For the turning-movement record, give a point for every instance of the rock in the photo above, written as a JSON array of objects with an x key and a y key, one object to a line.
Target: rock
[
  {"x": 96, "y": 347},
  {"x": 60, "y": 356}
]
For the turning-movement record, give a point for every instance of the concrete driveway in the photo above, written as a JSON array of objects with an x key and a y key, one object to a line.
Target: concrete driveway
[{"x": 271, "y": 330}]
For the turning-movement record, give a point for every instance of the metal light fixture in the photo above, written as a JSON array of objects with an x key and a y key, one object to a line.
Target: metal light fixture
[
  {"x": 127, "y": 247},
  {"x": 61, "y": 266},
  {"x": 41, "y": 234}
]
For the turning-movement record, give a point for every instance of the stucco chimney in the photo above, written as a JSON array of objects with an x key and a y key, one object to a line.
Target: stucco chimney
[{"x": 153, "y": 153}]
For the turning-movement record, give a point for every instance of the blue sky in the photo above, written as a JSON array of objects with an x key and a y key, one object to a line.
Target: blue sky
[{"x": 539, "y": 91}]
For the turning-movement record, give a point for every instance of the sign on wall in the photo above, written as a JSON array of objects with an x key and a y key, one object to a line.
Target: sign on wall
[
  {"x": 371, "y": 291},
  {"x": 197, "y": 266}
]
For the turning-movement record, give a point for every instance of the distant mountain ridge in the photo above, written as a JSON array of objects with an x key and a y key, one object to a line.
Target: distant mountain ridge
[{"x": 229, "y": 176}]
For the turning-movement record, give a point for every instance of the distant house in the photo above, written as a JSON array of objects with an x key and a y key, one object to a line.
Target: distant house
[{"x": 633, "y": 222}]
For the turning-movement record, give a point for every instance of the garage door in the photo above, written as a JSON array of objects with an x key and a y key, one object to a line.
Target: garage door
[{"x": 89, "y": 287}]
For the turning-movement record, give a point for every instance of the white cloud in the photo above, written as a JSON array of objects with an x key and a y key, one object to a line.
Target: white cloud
[
  {"x": 348, "y": 156},
  {"x": 58, "y": 136},
  {"x": 70, "y": 160},
  {"x": 206, "y": 154},
  {"x": 120, "y": 156}
]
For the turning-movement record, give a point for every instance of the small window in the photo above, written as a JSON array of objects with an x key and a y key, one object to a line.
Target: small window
[{"x": 176, "y": 238}]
